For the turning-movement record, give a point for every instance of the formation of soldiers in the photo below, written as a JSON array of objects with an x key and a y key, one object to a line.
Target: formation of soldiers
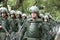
[{"x": 17, "y": 26}]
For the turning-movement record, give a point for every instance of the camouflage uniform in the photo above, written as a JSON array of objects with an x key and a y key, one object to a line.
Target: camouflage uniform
[
  {"x": 20, "y": 23},
  {"x": 53, "y": 24},
  {"x": 34, "y": 27},
  {"x": 19, "y": 18},
  {"x": 46, "y": 31},
  {"x": 33, "y": 30},
  {"x": 22, "y": 27},
  {"x": 13, "y": 25},
  {"x": 5, "y": 25}
]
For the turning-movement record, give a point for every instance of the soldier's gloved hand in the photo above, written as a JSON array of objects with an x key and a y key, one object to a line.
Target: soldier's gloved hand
[{"x": 7, "y": 34}]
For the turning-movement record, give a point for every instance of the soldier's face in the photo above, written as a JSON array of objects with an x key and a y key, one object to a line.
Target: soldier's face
[
  {"x": 18, "y": 15},
  {"x": 34, "y": 15},
  {"x": 12, "y": 15},
  {"x": 45, "y": 20},
  {"x": 3, "y": 14},
  {"x": 24, "y": 17}
]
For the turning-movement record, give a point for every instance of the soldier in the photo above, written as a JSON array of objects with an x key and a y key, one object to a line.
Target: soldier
[
  {"x": 53, "y": 24},
  {"x": 20, "y": 23},
  {"x": 34, "y": 25},
  {"x": 19, "y": 17},
  {"x": 4, "y": 25},
  {"x": 46, "y": 29},
  {"x": 19, "y": 14},
  {"x": 51, "y": 19},
  {"x": 13, "y": 25}
]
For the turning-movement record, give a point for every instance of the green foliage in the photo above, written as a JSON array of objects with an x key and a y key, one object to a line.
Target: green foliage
[
  {"x": 11, "y": 2},
  {"x": 26, "y": 5},
  {"x": 52, "y": 6}
]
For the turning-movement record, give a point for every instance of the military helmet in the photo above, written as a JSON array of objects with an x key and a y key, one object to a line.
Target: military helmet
[
  {"x": 12, "y": 12},
  {"x": 48, "y": 14},
  {"x": 24, "y": 14},
  {"x": 34, "y": 9},
  {"x": 3, "y": 9},
  {"x": 46, "y": 17},
  {"x": 19, "y": 12},
  {"x": 41, "y": 15}
]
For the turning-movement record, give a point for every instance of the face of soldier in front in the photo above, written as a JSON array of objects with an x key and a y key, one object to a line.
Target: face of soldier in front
[
  {"x": 12, "y": 16},
  {"x": 34, "y": 15},
  {"x": 3, "y": 15}
]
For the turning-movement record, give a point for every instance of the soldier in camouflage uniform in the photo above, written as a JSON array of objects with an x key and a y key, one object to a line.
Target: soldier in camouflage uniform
[
  {"x": 4, "y": 24},
  {"x": 46, "y": 34},
  {"x": 54, "y": 26},
  {"x": 51, "y": 19},
  {"x": 34, "y": 25},
  {"x": 13, "y": 25},
  {"x": 19, "y": 18},
  {"x": 20, "y": 23}
]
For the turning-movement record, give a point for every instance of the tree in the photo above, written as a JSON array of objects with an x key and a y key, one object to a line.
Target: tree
[
  {"x": 17, "y": 5},
  {"x": 5, "y": 3}
]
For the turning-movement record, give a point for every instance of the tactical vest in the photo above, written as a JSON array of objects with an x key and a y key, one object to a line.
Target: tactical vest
[{"x": 33, "y": 30}]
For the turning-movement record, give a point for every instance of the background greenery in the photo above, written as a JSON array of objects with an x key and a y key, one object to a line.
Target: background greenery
[{"x": 51, "y": 6}]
